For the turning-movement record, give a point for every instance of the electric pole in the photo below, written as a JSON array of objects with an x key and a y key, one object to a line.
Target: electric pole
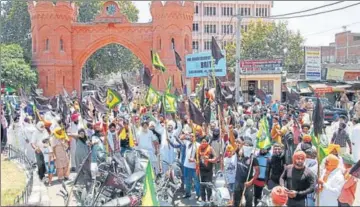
[{"x": 237, "y": 69}]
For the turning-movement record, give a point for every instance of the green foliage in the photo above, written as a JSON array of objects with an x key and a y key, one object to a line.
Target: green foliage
[
  {"x": 15, "y": 26},
  {"x": 268, "y": 41},
  {"x": 113, "y": 57},
  {"x": 15, "y": 72}
]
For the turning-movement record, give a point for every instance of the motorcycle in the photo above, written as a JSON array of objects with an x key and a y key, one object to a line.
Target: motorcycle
[
  {"x": 265, "y": 200},
  {"x": 169, "y": 183},
  {"x": 118, "y": 182},
  {"x": 221, "y": 195}
]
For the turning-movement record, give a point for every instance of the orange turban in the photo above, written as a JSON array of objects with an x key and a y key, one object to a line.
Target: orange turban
[
  {"x": 333, "y": 147},
  {"x": 332, "y": 162},
  {"x": 279, "y": 196},
  {"x": 307, "y": 138},
  {"x": 299, "y": 154}
]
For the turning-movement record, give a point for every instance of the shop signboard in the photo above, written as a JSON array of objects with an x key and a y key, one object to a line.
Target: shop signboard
[
  {"x": 261, "y": 66},
  {"x": 312, "y": 63},
  {"x": 199, "y": 65},
  {"x": 335, "y": 74}
]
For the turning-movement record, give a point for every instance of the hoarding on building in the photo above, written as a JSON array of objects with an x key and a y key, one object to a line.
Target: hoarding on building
[
  {"x": 261, "y": 66},
  {"x": 199, "y": 65},
  {"x": 335, "y": 74},
  {"x": 312, "y": 63}
]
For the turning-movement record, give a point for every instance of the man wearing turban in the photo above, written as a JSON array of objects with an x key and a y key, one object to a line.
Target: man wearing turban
[
  {"x": 298, "y": 179},
  {"x": 305, "y": 144},
  {"x": 37, "y": 138},
  {"x": 279, "y": 196},
  {"x": 331, "y": 182},
  {"x": 73, "y": 133},
  {"x": 167, "y": 152}
]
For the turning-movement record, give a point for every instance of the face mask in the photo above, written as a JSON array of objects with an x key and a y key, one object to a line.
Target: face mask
[
  {"x": 76, "y": 122},
  {"x": 247, "y": 151}
]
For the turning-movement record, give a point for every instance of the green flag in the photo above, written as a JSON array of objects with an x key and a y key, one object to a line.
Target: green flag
[
  {"x": 168, "y": 86},
  {"x": 152, "y": 97},
  {"x": 170, "y": 104},
  {"x": 149, "y": 197},
  {"x": 263, "y": 135},
  {"x": 322, "y": 151},
  {"x": 113, "y": 98},
  {"x": 157, "y": 62}
]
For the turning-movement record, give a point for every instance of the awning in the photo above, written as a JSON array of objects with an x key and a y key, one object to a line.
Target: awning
[
  {"x": 305, "y": 90},
  {"x": 321, "y": 88},
  {"x": 340, "y": 88}
]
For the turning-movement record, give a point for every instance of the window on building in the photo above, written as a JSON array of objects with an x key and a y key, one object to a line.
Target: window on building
[
  {"x": 195, "y": 27},
  {"x": 207, "y": 45},
  {"x": 267, "y": 86},
  {"x": 244, "y": 28},
  {"x": 61, "y": 45},
  {"x": 197, "y": 9},
  {"x": 262, "y": 12},
  {"x": 47, "y": 45},
  {"x": 172, "y": 43},
  {"x": 226, "y": 11},
  {"x": 63, "y": 80},
  {"x": 247, "y": 12},
  {"x": 226, "y": 29},
  {"x": 257, "y": 12},
  {"x": 195, "y": 45},
  {"x": 210, "y": 28},
  {"x": 356, "y": 38},
  {"x": 209, "y": 11},
  {"x": 47, "y": 81},
  {"x": 265, "y": 14},
  {"x": 223, "y": 45}
]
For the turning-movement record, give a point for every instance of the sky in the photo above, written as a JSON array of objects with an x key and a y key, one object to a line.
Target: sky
[{"x": 317, "y": 30}]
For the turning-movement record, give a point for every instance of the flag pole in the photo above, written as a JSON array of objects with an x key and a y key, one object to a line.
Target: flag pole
[{"x": 318, "y": 170}]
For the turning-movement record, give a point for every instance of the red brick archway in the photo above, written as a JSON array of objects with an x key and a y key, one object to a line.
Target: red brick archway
[{"x": 61, "y": 45}]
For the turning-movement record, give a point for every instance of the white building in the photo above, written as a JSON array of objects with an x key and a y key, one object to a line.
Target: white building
[{"x": 215, "y": 18}]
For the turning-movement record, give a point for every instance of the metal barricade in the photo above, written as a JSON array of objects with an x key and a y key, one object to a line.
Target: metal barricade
[{"x": 20, "y": 157}]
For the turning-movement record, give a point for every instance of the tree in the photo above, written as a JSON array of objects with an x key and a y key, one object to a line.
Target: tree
[
  {"x": 15, "y": 72},
  {"x": 265, "y": 40},
  {"x": 15, "y": 26},
  {"x": 113, "y": 57}
]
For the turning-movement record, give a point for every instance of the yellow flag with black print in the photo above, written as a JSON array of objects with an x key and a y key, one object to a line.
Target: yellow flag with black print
[
  {"x": 170, "y": 104},
  {"x": 152, "y": 97},
  {"x": 113, "y": 98}
]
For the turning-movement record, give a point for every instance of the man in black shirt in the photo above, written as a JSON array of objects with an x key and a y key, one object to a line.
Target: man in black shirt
[
  {"x": 276, "y": 166},
  {"x": 245, "y": 162},
  {"x": 298, "y": 179}
]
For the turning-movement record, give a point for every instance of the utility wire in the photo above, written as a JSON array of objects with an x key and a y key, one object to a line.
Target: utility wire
[
  {"x": 315, "y": 8},
  {"x": 313, "y": 14},
  {"x": 330, "y": 29}
]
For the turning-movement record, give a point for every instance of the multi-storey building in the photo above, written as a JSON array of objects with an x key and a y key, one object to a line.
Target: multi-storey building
[
  {"x": 345, "y": 49},
  {"x": 216, "y": 18}
]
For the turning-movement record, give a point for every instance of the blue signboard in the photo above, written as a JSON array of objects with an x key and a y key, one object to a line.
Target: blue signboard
[{"x": 199, "y": 65}]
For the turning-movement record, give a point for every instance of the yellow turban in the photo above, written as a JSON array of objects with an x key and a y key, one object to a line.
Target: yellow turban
[
  {"x": 332, "y": 162},
  {"x": 60, "y": 133},
  {"x": 333, "y": 147}
]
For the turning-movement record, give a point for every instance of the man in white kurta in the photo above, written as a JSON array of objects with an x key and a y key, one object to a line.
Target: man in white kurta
[
  {"x": 167, "y": 152},
  {"x": 73, "y": 130},
  {"x": 355, "y": 139},
  {"x": 332, "y": 181},
  {"x": 146, "y": 140}
]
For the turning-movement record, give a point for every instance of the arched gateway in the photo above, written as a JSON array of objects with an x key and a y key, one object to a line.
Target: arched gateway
[{"x": 61, "y": 45}]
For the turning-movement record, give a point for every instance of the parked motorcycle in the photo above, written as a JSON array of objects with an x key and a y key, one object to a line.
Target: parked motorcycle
[{"x": 220, "y": 195}]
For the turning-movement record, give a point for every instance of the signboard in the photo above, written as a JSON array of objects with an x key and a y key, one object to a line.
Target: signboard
[
  {"x": 335, "y": 74},
  {"x": 351, "y": 76},
  {"x": 261, "y": 66},
  {"x": 199, "y": 65},
  {"x": 312, "y": 63}
]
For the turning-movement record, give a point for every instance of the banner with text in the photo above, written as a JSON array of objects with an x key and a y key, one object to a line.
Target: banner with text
[
  {"x": 261, "y": 66},
  {"x": 199, "y": 65},
  {"x": 312, "y": 63}
]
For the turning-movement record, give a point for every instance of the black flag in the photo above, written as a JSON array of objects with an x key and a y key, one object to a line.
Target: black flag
[
  {"x": 100, "y": 107},
  {"x": 177, "y": 93},
  {"x": 178, "y": 60},
  {"x": 202, "y": 97},
  {"x": 181, "y": 110},
  {"x": 318, "y": 116},
  {"x": 195, "y": 114},
  {"x": 260, "y": 94},
  {"x": 207, "y": 113},
  {"x": 128, "y": 92},
  {"x": 147, "y": 76},
  {"x": 215, "y": 50}
]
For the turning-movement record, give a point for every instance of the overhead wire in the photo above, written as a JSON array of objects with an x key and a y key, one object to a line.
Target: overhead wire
[
  {"x": 307, "y": 10},
  {"x": 313, "y": 14},
  {"x": 305, "y": 35}
]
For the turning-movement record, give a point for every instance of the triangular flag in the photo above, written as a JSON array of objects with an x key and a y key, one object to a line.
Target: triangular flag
[
  {"x": 215, "y": 51},
  {"x": 155, "y": 58}
]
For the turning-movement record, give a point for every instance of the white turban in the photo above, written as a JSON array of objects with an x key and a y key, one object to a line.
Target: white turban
[{"x": 171, "y": 123}]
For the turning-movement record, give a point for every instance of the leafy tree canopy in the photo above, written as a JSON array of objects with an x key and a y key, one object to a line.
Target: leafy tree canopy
[{"x": 15, "y": 72}]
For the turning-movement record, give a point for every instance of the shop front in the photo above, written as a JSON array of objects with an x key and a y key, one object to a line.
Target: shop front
[
  {"x": 261, "y": 74},
  {"x": 269, "y": 83}
]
